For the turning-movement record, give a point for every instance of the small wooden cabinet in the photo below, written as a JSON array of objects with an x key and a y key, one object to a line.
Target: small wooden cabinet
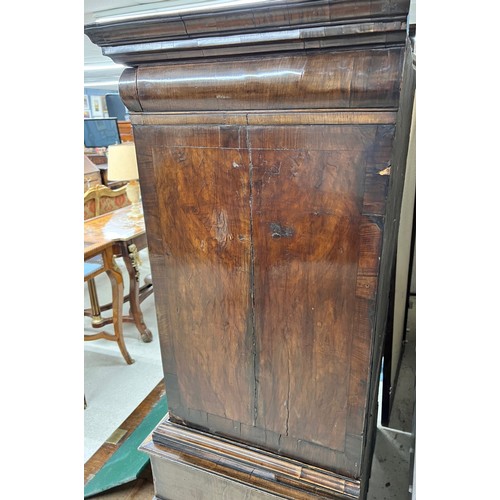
[
  {"x": 97, "y": 159},
  {"x": 271, "y": 143},
  {"x": 91, "y": 174}
]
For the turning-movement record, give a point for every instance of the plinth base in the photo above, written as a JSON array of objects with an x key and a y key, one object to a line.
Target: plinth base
[{"x": 187, "y": 463}]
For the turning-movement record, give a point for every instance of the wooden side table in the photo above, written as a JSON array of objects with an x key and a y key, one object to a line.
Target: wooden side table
[{"x": 127, "y": 237}]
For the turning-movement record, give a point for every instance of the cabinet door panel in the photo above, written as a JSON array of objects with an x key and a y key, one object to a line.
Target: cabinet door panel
[
  {"x": 267, "y": 243},
  {"x": 316, "y": 266},
  {"x": 203, "y": 204}
]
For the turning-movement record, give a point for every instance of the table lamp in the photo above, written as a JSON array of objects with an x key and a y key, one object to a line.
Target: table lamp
[{"x": 122, "y": 166}]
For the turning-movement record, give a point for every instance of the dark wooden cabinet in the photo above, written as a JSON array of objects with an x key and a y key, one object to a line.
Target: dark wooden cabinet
[{"x": 271, "y": 143}]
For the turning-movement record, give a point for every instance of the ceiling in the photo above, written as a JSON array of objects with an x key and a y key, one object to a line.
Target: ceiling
[{"x": 100, "y": 72}]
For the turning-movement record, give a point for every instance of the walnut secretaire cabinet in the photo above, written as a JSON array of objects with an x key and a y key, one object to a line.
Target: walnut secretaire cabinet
[{"x": 271, "y": 141}]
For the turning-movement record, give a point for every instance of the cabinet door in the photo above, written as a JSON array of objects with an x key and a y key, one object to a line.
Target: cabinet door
[
  {"x": 265, "y": 248},
  {"x": 197, "y": 188},
  {"x": 318, "y": 219}
]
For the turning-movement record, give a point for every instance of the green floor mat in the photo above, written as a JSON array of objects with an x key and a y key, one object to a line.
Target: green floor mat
[{"x": 127, "y": 462}]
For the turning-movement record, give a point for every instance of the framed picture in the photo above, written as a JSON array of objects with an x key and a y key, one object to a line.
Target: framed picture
[
  {"x": 96, "y": 106},
  {"x": 86, "y": 106},
  {"x": 104, "y": 106}
]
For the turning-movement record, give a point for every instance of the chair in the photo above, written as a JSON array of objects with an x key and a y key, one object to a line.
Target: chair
[{"x": 99, "y": 200}]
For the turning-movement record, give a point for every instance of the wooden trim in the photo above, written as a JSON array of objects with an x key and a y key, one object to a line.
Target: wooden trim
[
  {"x": 263, "y": 19},
  {"x": 291, "y": 81},
  {"x": 267, "y": 471},
  {"x": 381, "y": 33},
  {"x": 387, "y": 259},
  {"x": 326, "y": 117}
]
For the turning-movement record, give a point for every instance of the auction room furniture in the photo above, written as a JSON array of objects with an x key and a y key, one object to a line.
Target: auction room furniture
[
  {"x": 127, "y": 236},
  {"x": 91, "y": 174},
  {"x": 101, "y": 199},
  {"x": 271, "y": 141},
  {"x": 98, "y": 258},
  {"x": 98, "y": 200}
]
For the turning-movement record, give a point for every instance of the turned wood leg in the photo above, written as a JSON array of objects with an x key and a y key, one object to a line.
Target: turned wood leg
[
  {"x": 94, "y": 303},
  {"x": 130, "y": 259},
  {"x": 116, "y": 278}
]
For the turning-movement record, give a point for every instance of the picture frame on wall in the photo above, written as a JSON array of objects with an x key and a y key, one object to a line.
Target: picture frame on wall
[
  {"x": 86, "y": 106},
  {"x": 96, "y": 106},
  {"x": 104, "y": 107}
]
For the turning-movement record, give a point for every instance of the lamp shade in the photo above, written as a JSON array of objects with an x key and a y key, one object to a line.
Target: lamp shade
[{"x": 122, "y": 162}]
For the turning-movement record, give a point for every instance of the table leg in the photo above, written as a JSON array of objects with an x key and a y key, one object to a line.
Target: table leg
[
  {"x": 116, "y": 279},
  {"x": 130, "y": 258},
  {"x": 94, "y": 304}
]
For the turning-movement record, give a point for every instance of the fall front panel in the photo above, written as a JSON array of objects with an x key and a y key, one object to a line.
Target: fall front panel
[{"x": 265, "y": 251}]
